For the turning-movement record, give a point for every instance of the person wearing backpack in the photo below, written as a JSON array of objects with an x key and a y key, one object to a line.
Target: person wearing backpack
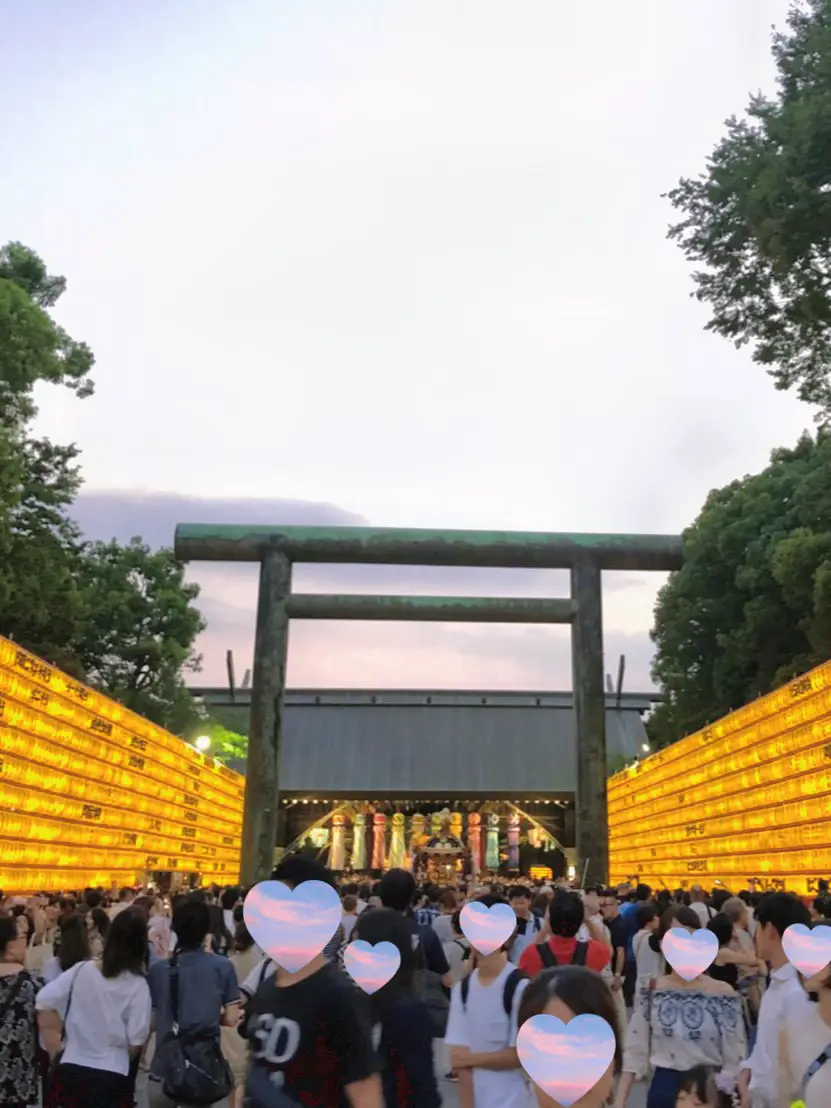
[
  {"x": 565, "y": 918},
  {"x": 528, "y": 925},
  {"x": 482, "y": 1029},
  {"x": 194, "y": 993}
]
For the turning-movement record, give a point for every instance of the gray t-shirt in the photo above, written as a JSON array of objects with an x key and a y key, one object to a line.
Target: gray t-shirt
[{"x": 207, "y": 984}]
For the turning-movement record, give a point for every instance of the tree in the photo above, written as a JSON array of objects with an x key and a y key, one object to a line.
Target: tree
[
  {"x": 40, "y": 546},
  {"x": 139, "y": 628},
  {"x": 759, "y": 218},
  {"x": 751, "y": 607}
]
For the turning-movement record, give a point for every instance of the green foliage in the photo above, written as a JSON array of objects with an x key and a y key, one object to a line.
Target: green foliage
[
  {"x": 138, "y": 630},
  {"x": 759, "y": 218},
  {"x": 226, "y": 745},
  {"x": 119, "y": 617},
  {"x": 751, "y": 607}
]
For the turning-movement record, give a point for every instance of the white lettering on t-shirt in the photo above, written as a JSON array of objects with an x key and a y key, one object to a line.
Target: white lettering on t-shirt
[{"x": 278, "y": 1039}]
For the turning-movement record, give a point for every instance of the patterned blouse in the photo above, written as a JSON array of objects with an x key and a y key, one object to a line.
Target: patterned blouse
[
  {"x": 19, "y": 1074},
  {"x": 678, "y": 1029}
]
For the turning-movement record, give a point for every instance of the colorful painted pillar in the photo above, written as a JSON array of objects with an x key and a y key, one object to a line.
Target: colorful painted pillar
[
  {"x": 513, "y": 840},
  {"x": 359, "y": 843},
  {"x": 492, "y": 843},
  {"x": 474, "y": 841},
  {"x": 398, "y": 846},
  {"x": 379, "y": 835},
  {"x": 337, "y": 850}
]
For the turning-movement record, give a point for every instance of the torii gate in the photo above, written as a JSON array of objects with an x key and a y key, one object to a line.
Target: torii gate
[{"x": 277, "y": 549}]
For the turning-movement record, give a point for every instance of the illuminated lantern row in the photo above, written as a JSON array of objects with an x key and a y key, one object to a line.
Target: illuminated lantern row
[
  {"x": 745, "y": 800},
  {"x": 92, "y": 794}
]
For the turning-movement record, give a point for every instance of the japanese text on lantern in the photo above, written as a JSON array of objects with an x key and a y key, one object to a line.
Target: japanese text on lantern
[
  {"x": 92, "y": 794},
  {"x": 746, "y": 800}
]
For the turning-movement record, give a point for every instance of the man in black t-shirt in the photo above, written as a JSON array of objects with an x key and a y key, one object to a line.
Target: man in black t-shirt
[{"x": 311, "y": 1043}]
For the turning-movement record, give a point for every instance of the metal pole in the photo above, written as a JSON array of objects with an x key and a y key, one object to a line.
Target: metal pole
[
  {"x": 262, "y": 775},
  {"x": 590, "y": 719}
]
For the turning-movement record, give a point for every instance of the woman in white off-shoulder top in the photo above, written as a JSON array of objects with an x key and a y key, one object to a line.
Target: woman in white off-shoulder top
[{"x": 677, "y": 1025}]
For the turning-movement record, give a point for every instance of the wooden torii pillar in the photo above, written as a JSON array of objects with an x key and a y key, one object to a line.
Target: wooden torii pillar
[{"x": 277, "y": 549}]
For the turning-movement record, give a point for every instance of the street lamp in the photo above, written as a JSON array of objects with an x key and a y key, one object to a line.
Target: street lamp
[{"x": 202, "y": 743}]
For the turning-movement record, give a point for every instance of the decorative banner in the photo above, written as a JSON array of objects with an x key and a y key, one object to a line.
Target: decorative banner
[
  {"x": 292, "y": 925},
  {"x": 566, "y": 1060},
  {"x": 513, "y": 840},
  {"x": 359, "y": 843},
  {"x": 474, "y": 841},
  {"x": 397, "y": 844},
  {"x": 492, "y": 842},
  {"x": 337, "y": 851},
  {"x": 416, "y": 833},
  {"x": 435, "y": 824},
  {"x": 379, "y": 822},
  {"x": 456, "y": 825}
]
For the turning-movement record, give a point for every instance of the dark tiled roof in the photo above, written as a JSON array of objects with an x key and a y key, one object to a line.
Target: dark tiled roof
[{"x": 391, "y": 744}]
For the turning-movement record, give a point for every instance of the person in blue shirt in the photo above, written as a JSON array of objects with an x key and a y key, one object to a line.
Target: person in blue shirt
[{"x": 629, "y": 912}]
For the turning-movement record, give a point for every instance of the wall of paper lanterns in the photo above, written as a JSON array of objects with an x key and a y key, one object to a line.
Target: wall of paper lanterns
[
  {"x": 745, "y": 802},
  {"x": 92, "y": 794}
]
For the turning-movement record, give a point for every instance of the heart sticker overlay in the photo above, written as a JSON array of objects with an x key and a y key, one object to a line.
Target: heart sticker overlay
[
  {"x": 689, "y": 954},
  {"x": 292, "y": 925},
  {"x": 487, "y": 929},
  {"x": 565, "y": 1060},
  {"x": 370, "y": 966},
  {"x": 808, "y": 950}
]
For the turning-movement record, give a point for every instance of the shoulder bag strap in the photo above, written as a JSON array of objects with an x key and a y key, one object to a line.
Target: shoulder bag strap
[
  {"x": 174, "y": 991},
  {"x": 69, "y": 1001},
  {"x": 653, "y": 981},
  {"x": 815, "y": 1067}
]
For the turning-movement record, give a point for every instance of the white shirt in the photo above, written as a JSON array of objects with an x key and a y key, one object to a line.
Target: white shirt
[
  {"x": 649, "y": 962},
  {"x": 784, "y": 996},
  {"x": 808, "y": 1035},
  {"x": 704, "y": 913},
  {"x": 257, "y": 976},
  {"x": 482, "y": 1026},
  {"x": 454, "y": 952},
  {"x": 107, "y": 1016},
  {"x": 228, "y": 918}
]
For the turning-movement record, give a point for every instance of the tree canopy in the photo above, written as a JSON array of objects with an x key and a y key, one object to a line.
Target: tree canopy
[
  {"x": 120, "y": 617},
  {"x": 758, "y": 219},
  {"x": 751, "y": 607}
]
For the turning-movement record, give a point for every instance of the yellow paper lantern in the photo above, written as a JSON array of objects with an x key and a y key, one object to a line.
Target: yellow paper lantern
[{"x": 91, "y": 794}]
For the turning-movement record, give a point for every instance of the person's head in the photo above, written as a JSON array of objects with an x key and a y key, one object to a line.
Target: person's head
[
  {"x": 489, "y": 901},
  {"x": 396, "y": 889},
  {"x": 243, "y": 939},
  {"x": 448, "y": 902},
  {"x": 719, "y": 898},
  {"x": 677, "y": 915},
  {"x": 722, "y": 927},
  {"x": 350, "y": 888},
  {"x": 541, "y": 902},
  {"x": 609, "y": 905},
  {"x": 736, "y": 910},
  {"x": 643, "y": 893},
  {"x": 350, "y": 905},
  {"x": 385, "y": 925},
  {"x": 565, "y": 914},
  {"x": 125, "y": 948},
  {"x": 456, "y": 922},
  {"x": 697, "y": 1089},
  {"x": 68, "y": 905},
  {"x": 229, "y": 899},
  {"x": 12, "y": 943},
  {"x": 647, "y": 917},
  {"x": 775, "y": 913},
  {"x": 519, "y": 898},
  {"x": 93, "y": 898},
  {"x": 191, "y": 923},
  {"x": 567, "y": 992},
  {"x": 697, "y": 895},
  {"x": 99, "y": 921},
  {"x": 74, "y": 944},
  {"x": 294, "y": 869},
  {"x": 150, "y": 905},
  {"x": 126, "y": 895}
]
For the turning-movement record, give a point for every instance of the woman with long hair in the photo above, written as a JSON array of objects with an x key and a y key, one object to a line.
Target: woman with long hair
[
  {"x": 73, "y": 947},
  {"x": 402, "y": 1021},
  {"x": 94, "y": 1021},
  {"x": 678, "y": 1025},
  {"x": 566, "y": 992}
]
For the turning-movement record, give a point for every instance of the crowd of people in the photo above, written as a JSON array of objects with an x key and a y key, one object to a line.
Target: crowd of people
[{"x": 96, "y": 990}]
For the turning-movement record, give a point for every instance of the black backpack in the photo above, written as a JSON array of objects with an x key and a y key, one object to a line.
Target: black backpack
[
  {"x": 511, "y": 985},
  {"x": 191, "y": 1064},
  {"x": 549, "y": 958}
]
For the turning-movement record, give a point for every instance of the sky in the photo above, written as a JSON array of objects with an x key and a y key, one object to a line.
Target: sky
[{"x": 388, "y": 263}]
